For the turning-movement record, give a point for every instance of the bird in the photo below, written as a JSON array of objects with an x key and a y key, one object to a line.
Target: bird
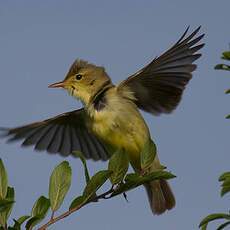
[{"x": 110, "y": 118}]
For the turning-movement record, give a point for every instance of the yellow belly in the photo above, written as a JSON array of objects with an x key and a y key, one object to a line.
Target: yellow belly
[{"x": 122, "y": 126}]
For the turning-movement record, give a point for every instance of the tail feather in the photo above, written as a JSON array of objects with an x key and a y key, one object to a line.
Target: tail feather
[
  {"x": 160, "y": 196},
  {"x": 170, "y": 201}
]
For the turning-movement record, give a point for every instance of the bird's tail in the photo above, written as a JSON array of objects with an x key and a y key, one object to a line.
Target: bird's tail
[{"x": 160, "y": 196}]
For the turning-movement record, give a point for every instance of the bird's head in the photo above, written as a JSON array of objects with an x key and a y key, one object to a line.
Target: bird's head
[{"x": 84, "y": 81}]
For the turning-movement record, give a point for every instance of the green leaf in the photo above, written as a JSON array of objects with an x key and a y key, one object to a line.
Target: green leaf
[
  {"x": 225, "y": 190},
  {"x": 19, "y": 222},
  {"x": 32, "y": 222},
  {"x": 226, "y": 55},
  {"x": 6, "y": 213},
  {"x": 226, "y": 182},
  {"x": 5, "y": 204},
  {"x": 80, "y": 200},
  {"x": 224, "y": 176},
  {"x": 60, "y": 181},
  {"x": 204, "y": 227},
  {"x": 212, "y": 217},
  {"x": 228, "y": 116},
  {"x": 90, "y": 190},
  {"x": 118, "y": 164},
  {"x": 41, "y": 207},
  {"x": 10, "y": 196},
  {"x": 227, "y": 91},
  {"x": 134, "y": 180},
  {"x": 22, "y": 219},
  {"x": 158, "y": 175},
  {"x": 80, "y": 155},
  {"x": 148, "y": 154},
  {"x": 3, "y": 181},
  {"x": 222, "y": 67},
  {"x": 222, "y": 226},
  {"x": 95, "y": 183}
]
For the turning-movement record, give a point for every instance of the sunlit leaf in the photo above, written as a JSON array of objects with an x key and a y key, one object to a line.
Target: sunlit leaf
[
  {"x": 80, "y": 155},
  {"x": 212, "y": 217},
  {"x": 118, "y": 164},
  {"x": 148, "y": 154},
  {"x": 60, "y": 181},
  {"x": 3, "y": 181},
  {"x": 95, "y": 183}
]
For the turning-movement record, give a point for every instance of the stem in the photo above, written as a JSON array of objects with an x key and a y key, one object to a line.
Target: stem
[
  {"x": 67, "y": 213},
  {"x": 62, "y": 216},
  {"x": 52, "y": 216}
]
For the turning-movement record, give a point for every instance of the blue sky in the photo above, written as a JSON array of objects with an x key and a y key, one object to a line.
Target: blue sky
[{"x": 40, "y": 39}]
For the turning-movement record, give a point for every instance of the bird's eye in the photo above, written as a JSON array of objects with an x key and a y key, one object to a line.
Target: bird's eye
[{"x": 78, "y": 77}]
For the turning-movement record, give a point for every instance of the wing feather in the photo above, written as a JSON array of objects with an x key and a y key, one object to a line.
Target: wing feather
[
  {"x": 45, "y": 140},
  {"x": 36, "y": 136},
  {"x": 158, "y": 87},
  {"x": 75, "y": 140},
  {"x": 65, "y": 148},
  {"x": 62, "y": 134},
  {"x": 56, "y": 141}
]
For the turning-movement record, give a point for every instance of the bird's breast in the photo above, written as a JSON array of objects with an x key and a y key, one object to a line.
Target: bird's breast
[{"x": 120, "y": 124}]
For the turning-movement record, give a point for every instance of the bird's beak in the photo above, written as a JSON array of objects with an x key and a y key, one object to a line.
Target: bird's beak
[{"x": 60, "y": 84}]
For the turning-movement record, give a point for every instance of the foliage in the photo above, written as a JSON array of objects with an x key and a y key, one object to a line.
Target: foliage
[
  {"x": 226, "y": 57},
  {"x": 60, "y": 181},
  {"x": 225, "y": 177}
]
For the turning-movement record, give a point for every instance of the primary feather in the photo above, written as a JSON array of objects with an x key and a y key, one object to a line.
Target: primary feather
[{"x": 158, "y": 87}]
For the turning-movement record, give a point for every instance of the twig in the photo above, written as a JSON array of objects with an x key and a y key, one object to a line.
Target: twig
[
  {"x": 62, "y": 216},
  {"x": 52, "y": 215},
  {"x": 67, "y": 213}
]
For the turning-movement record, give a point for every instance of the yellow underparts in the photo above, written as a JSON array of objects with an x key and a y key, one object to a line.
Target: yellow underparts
[{"x": 120, "y": 125}]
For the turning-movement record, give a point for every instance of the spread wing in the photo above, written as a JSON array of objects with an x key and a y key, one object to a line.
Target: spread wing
[
  {"x": 62, "y": 134},
  {"x": 158, "y": 87}
]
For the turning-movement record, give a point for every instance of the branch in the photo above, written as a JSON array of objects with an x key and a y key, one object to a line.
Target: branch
[{"x": 69, "y": 212}]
